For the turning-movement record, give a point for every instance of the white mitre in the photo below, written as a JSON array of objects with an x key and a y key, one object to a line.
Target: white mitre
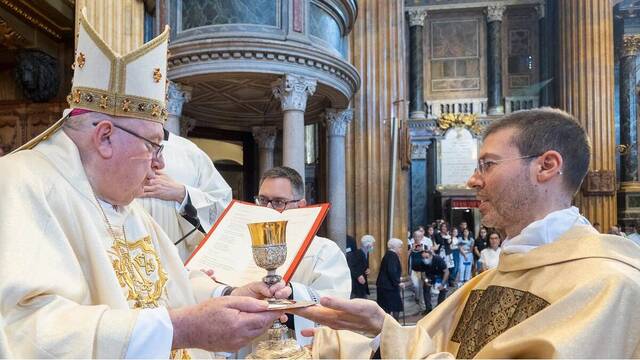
[{"x": 133, "y": 85}]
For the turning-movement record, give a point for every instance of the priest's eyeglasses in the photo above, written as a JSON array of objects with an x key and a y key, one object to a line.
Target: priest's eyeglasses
[
  {"x": 278, "y": 204},
  {"x": 485, "y": 165},
  {"x": 152, "y": 147}
]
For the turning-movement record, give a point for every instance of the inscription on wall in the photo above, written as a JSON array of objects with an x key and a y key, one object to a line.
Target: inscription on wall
[{"x": 457, "y": 156}]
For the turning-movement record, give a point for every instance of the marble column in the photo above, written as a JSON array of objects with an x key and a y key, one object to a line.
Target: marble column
[
  {"x": 265, "y": 136},
  {"x": 177, "y": 95},
  {"x": 120, "y": 23},
  {"x": 337, "y": 122},
  {"x": 419, "y": 187},
  {"x": 585, "y": 79},
  {"x": 547, "y": 36},
  {"x": 494, "y": 59},
  {"x": 293, "y": 91},
  {"x": 416, "y": 64},
  {"x": 628, "y": 128}
]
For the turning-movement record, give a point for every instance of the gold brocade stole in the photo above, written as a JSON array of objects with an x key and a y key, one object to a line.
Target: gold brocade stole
[
  {"x": 141, "y": 276},
  {"x": 490, "y": 312}
]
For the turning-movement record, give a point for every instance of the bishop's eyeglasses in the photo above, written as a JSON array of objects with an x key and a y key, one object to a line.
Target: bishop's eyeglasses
[{"x": 152, "y": 147}]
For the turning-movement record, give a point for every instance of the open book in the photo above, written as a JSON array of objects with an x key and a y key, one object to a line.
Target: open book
[{"x": 227, "y": 247}]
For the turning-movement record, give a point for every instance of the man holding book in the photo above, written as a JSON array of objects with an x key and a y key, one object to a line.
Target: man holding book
[{"x": 323, "y": 271}]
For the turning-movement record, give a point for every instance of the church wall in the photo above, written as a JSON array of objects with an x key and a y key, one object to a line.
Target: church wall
[{"x": 377, "y": 51}]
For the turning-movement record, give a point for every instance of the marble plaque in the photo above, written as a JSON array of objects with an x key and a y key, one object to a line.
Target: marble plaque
[{"x": 458, "y": 156}]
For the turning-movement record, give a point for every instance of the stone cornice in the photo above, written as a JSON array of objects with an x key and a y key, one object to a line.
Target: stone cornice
[
  {"x": 417, "y": 16},
  {"x": 201, "y": 57},
  {"x": 474, "y": 5},
  {"x": 337, "y": 121}
]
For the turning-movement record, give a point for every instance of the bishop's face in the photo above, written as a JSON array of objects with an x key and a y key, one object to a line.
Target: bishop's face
[
  {"x": 505, "y": 189},
  {"x": 135, "y": 159}
]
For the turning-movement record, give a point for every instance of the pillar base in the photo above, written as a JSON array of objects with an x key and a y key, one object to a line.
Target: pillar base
[
  {"x": 417, "y": 115},
  {"x": 497, "y": 110},
  {"x": 628, "y": 203}
]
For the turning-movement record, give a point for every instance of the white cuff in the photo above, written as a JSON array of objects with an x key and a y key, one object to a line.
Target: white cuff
[
  {"x": 152, "y": 336},
  {"x": 180, "y": 207},
  {"x": 375, "y": 343},
  {"x": 217, "y": 292}
]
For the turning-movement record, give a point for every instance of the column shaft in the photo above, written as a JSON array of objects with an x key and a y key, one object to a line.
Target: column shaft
[
  {"x": 586, "y": 81},
  {"x": 265, "y": 136},
  {"x": 416, "y": 64},
  {"x": 628, "y": 128},
  {"x": 547, "y": 51},
  {"x": 293, "y": 91},
  {"x": 494, "y": 67},
  {"x": 293, "y": 140},
  {"x": 337, "y": 122}
]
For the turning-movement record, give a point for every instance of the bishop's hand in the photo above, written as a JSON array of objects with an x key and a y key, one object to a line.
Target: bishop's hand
[
  {"x": 359, "y": 315},
  {"x": 260, "y": 290}
]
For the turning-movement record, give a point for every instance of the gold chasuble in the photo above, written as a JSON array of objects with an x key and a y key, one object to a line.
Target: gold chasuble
[
  {"x": 574, "y": 298},
  {"x": 69, "y": 274}
]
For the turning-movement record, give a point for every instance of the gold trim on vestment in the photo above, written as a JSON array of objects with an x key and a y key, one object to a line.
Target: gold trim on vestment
[{"x": 490, "y": 312}]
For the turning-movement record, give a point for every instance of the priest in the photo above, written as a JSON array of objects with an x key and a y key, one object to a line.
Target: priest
[
  {"x": 560, "y": 290},
  {"x": 85, "y": 271},
  {"x": 187, "y": 196}
]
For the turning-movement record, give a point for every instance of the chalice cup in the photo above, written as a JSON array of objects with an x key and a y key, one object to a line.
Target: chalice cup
[{"x": 269, "y": 248}]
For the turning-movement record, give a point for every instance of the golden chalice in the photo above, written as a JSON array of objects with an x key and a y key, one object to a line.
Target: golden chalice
[{"x": 269, "y": 248}]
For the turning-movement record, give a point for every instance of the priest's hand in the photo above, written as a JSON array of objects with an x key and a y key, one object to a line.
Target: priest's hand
[
  {"x": 260, "y": 290},
  {"x": 359, "y": 315},
  {"x": 221, "y": 324},
  {"x": 161, "y": 186}
]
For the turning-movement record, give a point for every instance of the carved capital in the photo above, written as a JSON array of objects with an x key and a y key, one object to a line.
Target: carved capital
[
  {"x": 630, "y": 45},
  {"x": 177, "y": 95},
  {"x": 265, "y": 136},
  {"x": 293, "y": 91},
  {"x": 419, "y": 150},
  {"x": 540, "y": 9},
  {"x": 416, "y": 17},
  {"x": 186, "y": 124},
  {"x": 337, "y": 121},
  {"x": 495, "y": 12}
]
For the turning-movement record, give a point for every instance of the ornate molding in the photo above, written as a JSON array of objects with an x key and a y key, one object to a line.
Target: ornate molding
[
  {"x": 293, "y": 91},
  {"x": 190, "y": 59},
  {"x": 177, "y": 95},
  {"x": 337, "y": 121},
  {"x": 599, "y": 182},
  {"x": 495, "y": 12},
  {"x": 630, "y": 45},
  {"x": 31, "y": 19},
  {"x": 265, "y": 136},
  {"x": 416, "y": 17},
  {"x": 186, "y": 124},
  {"x": 541, "y": 9},
  {"x": 9, "y": 37},
  {"x": 419, "y": 150}
]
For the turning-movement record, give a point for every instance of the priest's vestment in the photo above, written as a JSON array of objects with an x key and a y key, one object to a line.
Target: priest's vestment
[
  {"x": 70, "y": 287},
  {"x": 187, "y": 164},
  {"x": 575, "y": 297}
]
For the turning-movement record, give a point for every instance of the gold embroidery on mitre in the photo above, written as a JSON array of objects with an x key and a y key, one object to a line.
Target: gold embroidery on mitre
[
  {"x": 139, "y": 271},
  {"x": 81, "y": 60},
  {"x": 182, "y": 354},
  {"x": 488, "y": 313},
  {"x": 125, "y": 105},
  {"x": 157, "y": 75},
  {"x": 103, "y": 101}
]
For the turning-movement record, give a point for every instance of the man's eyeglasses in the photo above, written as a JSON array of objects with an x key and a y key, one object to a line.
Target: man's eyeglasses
[
  {"x": 152, "y": 147},
  {"x": 278, "y": 204},
  {"x": 485, "y": 165}
]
